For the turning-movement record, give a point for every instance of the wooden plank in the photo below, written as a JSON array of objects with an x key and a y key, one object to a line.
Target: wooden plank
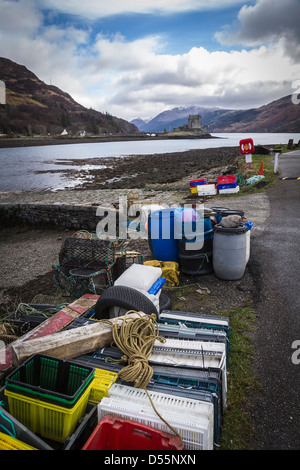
[
  {"x": 55, "y": 323},
  {"x": 70, "y": 343}
]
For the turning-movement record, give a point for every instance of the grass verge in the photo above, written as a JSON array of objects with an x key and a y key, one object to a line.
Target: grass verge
[{"x": 237, "y": 433}]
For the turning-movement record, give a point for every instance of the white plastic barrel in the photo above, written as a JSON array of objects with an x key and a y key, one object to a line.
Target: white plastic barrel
[{"x": 230, "y": 251}]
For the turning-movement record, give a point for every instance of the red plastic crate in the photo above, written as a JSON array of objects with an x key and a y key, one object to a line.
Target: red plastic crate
[
  {"x": 198, "y": 182},
  {"x": 227, "y": 179},
  {"x": 115, "y": 433}
]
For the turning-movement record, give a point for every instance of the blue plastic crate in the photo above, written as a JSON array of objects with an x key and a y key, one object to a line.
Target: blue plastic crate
[{"x": 227, "y": 186}]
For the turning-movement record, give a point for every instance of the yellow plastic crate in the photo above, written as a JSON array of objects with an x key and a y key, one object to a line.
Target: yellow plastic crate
[
  {"x": 46, "y": 419},
  {"x": 101, "y": 383},
  {"x": 194, "y": 190},
  {"x": 11, "y": 443}
]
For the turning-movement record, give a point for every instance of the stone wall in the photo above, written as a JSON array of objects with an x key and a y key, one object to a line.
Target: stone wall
[{"x": 77, "y": 217}]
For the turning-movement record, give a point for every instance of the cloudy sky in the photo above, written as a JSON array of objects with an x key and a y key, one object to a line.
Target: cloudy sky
[{"x": 137, "y": 58}]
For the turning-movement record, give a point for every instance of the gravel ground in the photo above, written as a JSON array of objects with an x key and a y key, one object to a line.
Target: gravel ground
[{"x": 27, "y": 255}]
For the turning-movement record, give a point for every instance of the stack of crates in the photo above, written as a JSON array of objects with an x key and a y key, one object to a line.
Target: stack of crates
[
  {"x": 227, "y": 184},
  {"x": 49, "y": 395},
  {"x": 208, "y": 189},
  {"x": 115, "y": 433},
  {"x": 192, "y": 419},
  {"x": 189, "y": 368},
  {"x": 195, "y": 183},
  {"x": 102, "y": 382}
]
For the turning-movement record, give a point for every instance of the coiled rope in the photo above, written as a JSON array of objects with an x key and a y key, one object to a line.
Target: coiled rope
[{"x": 135, "y": 337}]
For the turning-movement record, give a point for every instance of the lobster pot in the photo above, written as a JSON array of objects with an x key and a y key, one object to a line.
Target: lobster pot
[{"x": 230, "y": 248}]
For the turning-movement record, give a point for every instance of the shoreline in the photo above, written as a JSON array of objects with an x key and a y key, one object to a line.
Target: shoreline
[
  {"x": 161, "y": 171},
  {"x": 11, "y": 142}
]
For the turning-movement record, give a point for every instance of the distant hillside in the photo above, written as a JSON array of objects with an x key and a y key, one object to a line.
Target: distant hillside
[
  {"x": 279, "y": 116},
  {"x": 32, "y": 107}
]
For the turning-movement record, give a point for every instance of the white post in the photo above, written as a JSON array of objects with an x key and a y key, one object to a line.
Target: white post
[{"x": 276, "y": 162}]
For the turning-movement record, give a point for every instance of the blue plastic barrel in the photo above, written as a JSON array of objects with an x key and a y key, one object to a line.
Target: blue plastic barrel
[{"x": 161, "y": 237}]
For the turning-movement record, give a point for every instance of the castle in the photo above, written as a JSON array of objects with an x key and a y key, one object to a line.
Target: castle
[{"x": 194, "y": 125}]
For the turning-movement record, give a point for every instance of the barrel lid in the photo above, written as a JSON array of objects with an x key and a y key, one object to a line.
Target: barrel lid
[
  {"x": 231, "y": 230},
  {"x": 226, "y": 212},
  {"x": 218, "y": 209}
]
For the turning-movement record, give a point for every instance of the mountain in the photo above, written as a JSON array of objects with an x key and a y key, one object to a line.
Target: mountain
[
  {"x": 278, "y": 116},
  {"x": 32, "y": 107}
]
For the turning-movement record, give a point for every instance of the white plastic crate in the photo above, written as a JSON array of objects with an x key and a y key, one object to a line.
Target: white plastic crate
[
  {"x": 181, "y": 331},
  {"x": 163, "y": 400},
  {"x": 190, "y": 352},
  {"x": 229, "y": 190},
  {"x": 181, "y": 328},
  {"x": 193, "y": 421},
  {"x": 206, "y": 189},
  {"x": 204, "y": 319}
]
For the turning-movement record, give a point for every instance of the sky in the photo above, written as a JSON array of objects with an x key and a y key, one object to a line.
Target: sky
[{"x": 137, "y": 58}]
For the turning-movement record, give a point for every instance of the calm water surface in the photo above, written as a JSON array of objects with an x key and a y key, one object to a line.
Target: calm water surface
[{"x": 20, "y": 166}]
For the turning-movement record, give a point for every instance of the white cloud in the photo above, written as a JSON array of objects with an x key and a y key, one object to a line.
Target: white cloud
[
  {"x": 266, "y": 22},
  {"x": 93, "y": 9},
  {"x": 239, "y": 79},
  {"x": 130, "y": 79}
]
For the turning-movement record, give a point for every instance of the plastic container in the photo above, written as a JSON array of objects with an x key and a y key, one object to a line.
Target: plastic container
[
  {"x": 161, "y": 238},
  {"x": 199, "y": 334},
  {"x": 46, "y": 419},
  {"x": 229, "y": 190},
  {"x": 12, "y": 427},
  {"x": 195, "y": 257},
  {"x": 218, "y": 210},
  {"x": 198, "y": 182},
  {"x": 51, "y": 379},
  {"x": 207, "y": 190},
  {"x": 181, "y": 353},
  {"x": 200, "y": 384},
  {"x": 230, "y": 252},
  {"x": 115, "y": 433},
  {"x": 83, "y": 430},
  {"x": 227, "y": 186},
  {"x": 226, "y": 179},
  {"x": 192, "y": 419},
  {"x": 103, "y": 380},
  {"x": 139, "y": 276},
  {"x": 11, "y": 443},
  {"x": 195, "y": 320}
]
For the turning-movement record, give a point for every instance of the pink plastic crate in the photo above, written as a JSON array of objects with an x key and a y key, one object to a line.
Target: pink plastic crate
[
  {"x": 227, "y": 179},
  {"x": 115, "y": 433}
]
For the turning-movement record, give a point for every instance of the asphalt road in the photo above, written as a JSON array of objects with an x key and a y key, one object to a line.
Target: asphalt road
[{"x": 275, "y": 264}]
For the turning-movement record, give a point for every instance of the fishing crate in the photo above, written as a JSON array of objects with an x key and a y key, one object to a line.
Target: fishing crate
[
  {"x": 193, "y": 420},
  {"x": 226, "y": 179},
  {"x": 179, "y": 331},
  {"x": 198, "y": 182},
  {"x": 116, "y": 433},
  {"x": 11, "y": 426},
  {"x": 102, "y": 381},
  {"x": 227, "y": 186},
  {"x": 195, "y": 320},
  {"x": 50, "y": 379},
  {"x": 229, "y": 190},
  {"x": 83, "y": 430},
  {"x": 47, "y": 419},
  {"x": 11, "y": 443},
  {"x": 206, "y": 190}
]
